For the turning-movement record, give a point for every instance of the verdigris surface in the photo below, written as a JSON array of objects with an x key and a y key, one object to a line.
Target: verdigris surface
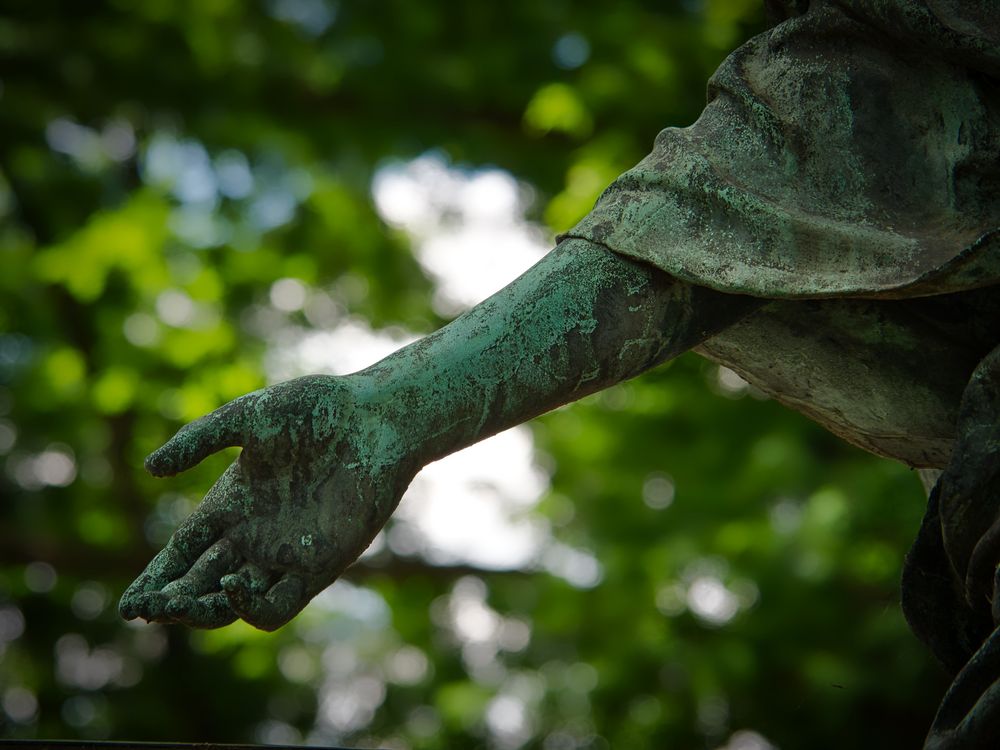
[{"x": 829, "y": 228}]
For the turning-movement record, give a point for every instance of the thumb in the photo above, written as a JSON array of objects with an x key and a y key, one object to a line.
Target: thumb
[{"x": 223, "y": 428}]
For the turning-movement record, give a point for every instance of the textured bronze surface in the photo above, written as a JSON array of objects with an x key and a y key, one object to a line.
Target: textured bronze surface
[{"x": 829, "y": 228}]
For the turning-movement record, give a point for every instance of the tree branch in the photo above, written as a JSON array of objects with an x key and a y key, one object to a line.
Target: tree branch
[{"x": 82, "y": 561}]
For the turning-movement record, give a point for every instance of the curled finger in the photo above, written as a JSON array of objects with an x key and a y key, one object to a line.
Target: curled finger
[
  {"x": 205, "y": 574},
  {"x": 208, "y": 611},
  {"x": 144, "y": 597},
  {"x": 168, "y": 565},
  {"x": 271, "y": 609}
]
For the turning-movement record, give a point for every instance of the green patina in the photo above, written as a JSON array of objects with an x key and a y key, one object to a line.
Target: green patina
[
  {"x": 829, "y": 228},
  {"x": 326, "y": 459}
]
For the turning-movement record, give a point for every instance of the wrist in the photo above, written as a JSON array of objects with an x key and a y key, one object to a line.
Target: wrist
[{"x": 385, "y": 430}]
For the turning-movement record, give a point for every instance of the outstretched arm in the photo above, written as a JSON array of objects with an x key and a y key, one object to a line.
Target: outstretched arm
[
  {"x": 579, "y": 321},
  {"x": 326, "y": 459}
]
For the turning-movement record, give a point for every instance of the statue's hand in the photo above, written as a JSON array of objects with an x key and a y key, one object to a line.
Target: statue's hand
[{"x": 316, "y": 480}]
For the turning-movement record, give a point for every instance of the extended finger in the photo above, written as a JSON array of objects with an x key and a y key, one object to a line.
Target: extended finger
[
  {"x": 169, "y": 602},
  {"x": 144, "y": 597},
  {"x": 168, "y": 564},
  {"x": 271, "y": 609},
  {"x": 223, "y": 428},
  {"x": 209, "y": 611}
]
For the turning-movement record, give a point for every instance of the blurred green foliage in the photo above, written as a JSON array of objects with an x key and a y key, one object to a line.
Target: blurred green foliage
[{"x": 164, "y": 162}]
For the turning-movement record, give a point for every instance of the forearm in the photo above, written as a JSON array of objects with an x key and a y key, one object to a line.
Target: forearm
[
  {"x": 326, "y": 459},
  {"x": 580, "y": 320}
]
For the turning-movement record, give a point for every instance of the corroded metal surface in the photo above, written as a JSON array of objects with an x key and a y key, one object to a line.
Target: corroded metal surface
[
  {"x": 325, "y": 460},
  {"x": 831, "y": 160},
  {"x": 829, "y": 228}
]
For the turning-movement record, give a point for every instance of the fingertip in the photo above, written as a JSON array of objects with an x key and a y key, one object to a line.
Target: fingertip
[
  {"x": 181, "y": 452},
  {"x": 127, "y": 609},
  {"x": 150, "y": 606},
  {"x": 158, "y": 464}
]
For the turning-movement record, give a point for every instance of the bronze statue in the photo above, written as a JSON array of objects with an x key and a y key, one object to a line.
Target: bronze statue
[{"x": 829, "y": 228}]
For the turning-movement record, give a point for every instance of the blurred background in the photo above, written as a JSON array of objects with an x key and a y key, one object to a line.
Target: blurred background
[{"x": 199, "y": 197}]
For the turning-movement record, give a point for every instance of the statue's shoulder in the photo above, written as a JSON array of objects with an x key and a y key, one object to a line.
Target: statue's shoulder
[{"x": 852, "y": 150}]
